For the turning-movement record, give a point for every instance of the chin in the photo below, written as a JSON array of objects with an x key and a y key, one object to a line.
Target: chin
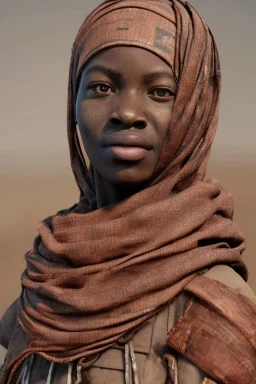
[{"x": 128, "y": 177}]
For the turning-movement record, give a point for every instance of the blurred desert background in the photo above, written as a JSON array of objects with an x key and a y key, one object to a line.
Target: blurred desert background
[{"x": 36, "y": 179}]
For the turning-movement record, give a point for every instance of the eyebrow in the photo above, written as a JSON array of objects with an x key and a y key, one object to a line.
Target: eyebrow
[{"x": 114, "y": 73}]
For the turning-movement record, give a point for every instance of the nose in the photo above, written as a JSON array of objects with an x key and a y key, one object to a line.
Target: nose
[{"x": 128, "y": 114}]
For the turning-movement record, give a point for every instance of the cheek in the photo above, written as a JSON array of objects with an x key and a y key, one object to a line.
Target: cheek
[
  {"x": 162, "y": 124},
  {"x": 89, "y": 121}
]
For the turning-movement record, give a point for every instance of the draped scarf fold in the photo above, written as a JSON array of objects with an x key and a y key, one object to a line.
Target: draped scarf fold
[{"x": 94, "y": 275}]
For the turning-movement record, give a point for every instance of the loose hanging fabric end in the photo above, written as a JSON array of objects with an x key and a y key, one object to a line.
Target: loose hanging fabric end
[{"x": 130, "y": 360}]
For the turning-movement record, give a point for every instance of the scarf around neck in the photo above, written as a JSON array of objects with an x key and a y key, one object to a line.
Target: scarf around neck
[{"x": 94, "y": 275}]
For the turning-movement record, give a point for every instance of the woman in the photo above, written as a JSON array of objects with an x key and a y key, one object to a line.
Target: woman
[{"x": 142, "y": 281}]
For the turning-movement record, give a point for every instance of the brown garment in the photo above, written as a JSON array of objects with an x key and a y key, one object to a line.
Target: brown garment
[
  {"x": 218, "y": 330},
  {"x": 115, "y": 25},
  {"x": 95, "y": 274},
  {"x": 150, "y": 347},
  {"x": 53, "y": 303},
  {"x": 155, "y": 360}
]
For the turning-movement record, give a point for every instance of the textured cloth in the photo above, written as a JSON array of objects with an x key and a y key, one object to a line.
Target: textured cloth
[
  {"x": 113, "y": 366},
  {"x": 95, "y": 274},
  {"x": 214, "y": 318},
  {"x": 150, "y": 346},
  {"x": 128, "y": 25}
]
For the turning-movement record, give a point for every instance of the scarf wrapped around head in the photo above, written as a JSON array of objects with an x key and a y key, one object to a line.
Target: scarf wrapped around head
[
  {"x": 176, "y": 33},
  {"x": 95, "y": 274}
]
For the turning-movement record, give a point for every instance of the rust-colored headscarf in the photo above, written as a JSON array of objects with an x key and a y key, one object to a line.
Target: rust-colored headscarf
[{"x": 95, "y": 274}]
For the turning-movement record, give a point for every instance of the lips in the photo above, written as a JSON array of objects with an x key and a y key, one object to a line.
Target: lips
[
  {"x": 127, "y": 140},
  {"x": 126, "y": 146}
]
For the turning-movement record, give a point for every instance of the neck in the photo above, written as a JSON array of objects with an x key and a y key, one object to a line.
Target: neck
[{"x": 108, "y": 193}]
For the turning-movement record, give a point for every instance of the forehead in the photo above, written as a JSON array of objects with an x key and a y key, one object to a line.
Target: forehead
[{"x": 127, "y": 60}]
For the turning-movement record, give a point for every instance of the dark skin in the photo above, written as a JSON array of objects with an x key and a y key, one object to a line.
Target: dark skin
[{"x": 124, "y": 117}]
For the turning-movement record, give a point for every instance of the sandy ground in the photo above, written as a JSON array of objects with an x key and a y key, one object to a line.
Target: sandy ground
[{"x": 28, "y": 197}]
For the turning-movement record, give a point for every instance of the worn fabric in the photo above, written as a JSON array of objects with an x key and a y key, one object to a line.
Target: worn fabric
[
  {"x": 156, "y": 361},
  {"x": 126, "y": 23},
  {"x": 217, "y": 331},
  {"x": 95, "y": 274},
  {"x": 149, "y": 343}
]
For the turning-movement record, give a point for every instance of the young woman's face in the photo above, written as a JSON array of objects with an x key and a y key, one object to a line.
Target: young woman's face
[{"x": 123, "y": 110}]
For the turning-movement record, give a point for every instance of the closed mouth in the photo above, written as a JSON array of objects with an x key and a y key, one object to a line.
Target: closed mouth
[{"x": 126, "y": 140}]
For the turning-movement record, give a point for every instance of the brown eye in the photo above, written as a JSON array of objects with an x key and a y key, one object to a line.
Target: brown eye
[
  {"x": 100, "y": 88},
  {"x": 162, "y": 92}
]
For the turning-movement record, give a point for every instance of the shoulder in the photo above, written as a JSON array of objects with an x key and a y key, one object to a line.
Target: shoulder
[
  {"x": 8, "y": 324},
  {"x": 218, "y": 326},
  {"x": 227, "y": 276}
]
